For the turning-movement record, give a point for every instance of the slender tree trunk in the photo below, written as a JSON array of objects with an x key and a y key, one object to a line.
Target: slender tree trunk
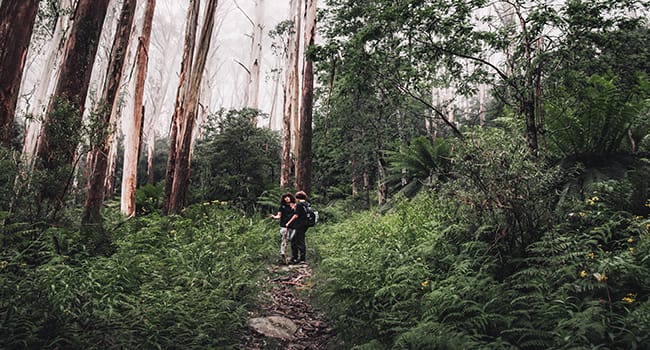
[
  {"x": 286, "y": 166},
  {"x": 290, "y": 101},
  {"x": 61, "y": 130},
  {"x": 16, "y": 24},
  {"x": 256, "y": 56},
  {"x": 303, "y": 172},
  {"x": 382, "y": 189},
  {"x": 186, "y": 72},
  {"x": 294, "y": 82},
  {"x": 151, "y": 150},
  {"x": 178, "y": 198},
  {"x": 482, "y": 109},
  {"x": 132, "y": 141},
  {"x": 107, "y": 118},
  {"x": 109, "y": 183},
  {"x": 274, "y": 101}
]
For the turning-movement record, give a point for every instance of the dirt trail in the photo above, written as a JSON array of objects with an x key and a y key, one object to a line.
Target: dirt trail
[{"x": 285, "y": 319}]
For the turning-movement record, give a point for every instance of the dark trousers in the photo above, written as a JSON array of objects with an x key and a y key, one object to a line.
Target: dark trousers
[{"x": 298, "y": 247}]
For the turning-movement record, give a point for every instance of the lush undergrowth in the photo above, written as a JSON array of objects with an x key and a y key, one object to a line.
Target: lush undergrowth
[
  {"x": 171, "y": 283},
  {"x": 403, "y": 281},
  {"x": 502, "y": 257}
]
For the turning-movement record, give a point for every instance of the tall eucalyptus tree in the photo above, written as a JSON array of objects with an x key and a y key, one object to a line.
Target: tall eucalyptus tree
[
  {"x": 16, "y": 25},
  {"x": 106, "y": 116},
  {"x": 133, "y": 141},
  {"x": 304, "y": 138},
  {"x": 179, "y": 173},
  {"x": 61, "y": 132}
]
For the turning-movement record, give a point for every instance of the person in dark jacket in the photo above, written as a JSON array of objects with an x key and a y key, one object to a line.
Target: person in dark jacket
[
  {"x": 285, "y": 213},
  {"x": 298, "y": 223}
]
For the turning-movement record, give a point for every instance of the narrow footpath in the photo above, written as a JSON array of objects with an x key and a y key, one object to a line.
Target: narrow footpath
[{"x": 285, "y": 319}]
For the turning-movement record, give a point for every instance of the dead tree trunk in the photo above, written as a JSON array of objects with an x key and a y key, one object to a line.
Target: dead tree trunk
[
  {"x": 132, "y": 141},
  {"x": 16, "y": 24}
]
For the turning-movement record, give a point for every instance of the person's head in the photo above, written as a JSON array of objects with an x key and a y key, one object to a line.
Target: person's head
[
  {"x": 287, "y": 198},
  {"x": 302, "y": 196}
]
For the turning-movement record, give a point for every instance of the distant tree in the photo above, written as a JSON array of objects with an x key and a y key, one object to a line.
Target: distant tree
[
  {"x": 255, "y": 62},
  {"x": 16, "y": 25},
  {"x": 283, "y": 36},
  {"x": 235, "y": 161}
]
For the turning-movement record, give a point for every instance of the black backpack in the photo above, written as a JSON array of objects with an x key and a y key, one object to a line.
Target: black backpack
[{"x": 311, "y": 215}]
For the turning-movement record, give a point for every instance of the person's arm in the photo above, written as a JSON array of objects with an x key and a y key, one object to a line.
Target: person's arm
[
  {"x": 293, "y": 218},
  {"x": 276, "y": 216}
]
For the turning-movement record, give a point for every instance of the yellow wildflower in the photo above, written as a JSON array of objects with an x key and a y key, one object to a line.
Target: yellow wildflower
[
  {"x": 629, "y": 298},
  {"x": 631, "y": 249},
  {"x": 591, "y": 255},
  {"x": 593, "y": 200},
  {"x": 600, "y": 277},
  {"x": 3, "y": 265},
  {"x": 630, "y": 240},
  {"x": 424, "y": 284},
  {"x": 583, "y": 274}
]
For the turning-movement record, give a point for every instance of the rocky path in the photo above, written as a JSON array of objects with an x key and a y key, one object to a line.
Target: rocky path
[{"x": 285, "y": 319}]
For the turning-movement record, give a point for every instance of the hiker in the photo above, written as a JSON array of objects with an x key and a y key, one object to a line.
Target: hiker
[
  {"x": 285, "y": 212},
  {"x": 299, "y": 225}
]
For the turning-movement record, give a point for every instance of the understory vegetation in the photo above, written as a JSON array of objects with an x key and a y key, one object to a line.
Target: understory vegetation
[
  {"x": 505, "y": 251},
  {"x": 509, "y": 254},
  {"x": 170, "y": 283}
]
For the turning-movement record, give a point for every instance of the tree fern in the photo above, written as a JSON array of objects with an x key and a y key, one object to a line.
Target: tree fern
[{"x": 417, "y": 165}]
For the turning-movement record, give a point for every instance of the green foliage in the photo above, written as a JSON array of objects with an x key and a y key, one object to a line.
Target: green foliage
[
  {"x": 8, "y": 172},
  {"x": 172, "y": 283},
  {"x": 234, "y": 161},
  {"x": 419, "y": 164},
  {"x": 595, "y": 115},
  {"x": 501, "y": 256},
  {"x": 509, "y": 197},
  {"x": 149, "y": 198}
]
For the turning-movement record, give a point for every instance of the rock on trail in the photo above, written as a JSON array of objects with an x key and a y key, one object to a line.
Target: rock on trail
[{"x": 284, "y": 318}]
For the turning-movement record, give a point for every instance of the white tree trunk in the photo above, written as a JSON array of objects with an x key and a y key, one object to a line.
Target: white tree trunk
[
  {"x": 294, "y": 82},
  {"x": 45, "y": 85},
  {"x": 132, "y": 142},
  {"x": 256, "y": 56}
]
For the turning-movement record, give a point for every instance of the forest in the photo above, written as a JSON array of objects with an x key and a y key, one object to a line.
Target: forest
[{"x": 481, "y": 171}]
